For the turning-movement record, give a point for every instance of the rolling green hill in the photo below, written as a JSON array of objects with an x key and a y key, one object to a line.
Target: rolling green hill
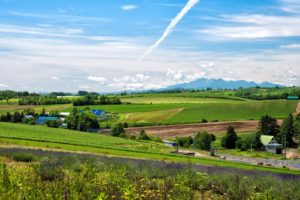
[{"x": 66, "y": 140}]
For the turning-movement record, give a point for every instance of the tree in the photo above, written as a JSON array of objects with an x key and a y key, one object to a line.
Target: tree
[
  {"x": 117, "y": 130},
  {"x": 297, "y": 127},
  {"x": 203, "y": 141},
  {"x": 143, "y": 135},
  {"x": 53, "y": 123},
  {"x": 185, "y": 141},
  {"x": 5, "y": 118},
  {"x": 229, "y": 140},
  {"x": 73, "y": 119},
  {"x": 87, "y": 121},
  {"x": 287, "y": 132},
  {"x": 16, "y": 117},
  {"x": 268, "y": 126}
]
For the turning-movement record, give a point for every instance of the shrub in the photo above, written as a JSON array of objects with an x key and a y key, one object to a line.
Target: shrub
[
  {"x": 185, "y": 141},
  {"x": 143, "y": 135},
  {"x": 51, "y": 169},
  {"x": 203, "y": 140},
  {"x": 229, "y": 140},
  {"x": 204, "y": 121},
  {"x": 22, "y": 157}
]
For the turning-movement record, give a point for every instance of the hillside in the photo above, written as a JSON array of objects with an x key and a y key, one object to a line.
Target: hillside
[
  {"x": 66, "y": 140},
  {"x": 204, "y": 83}
]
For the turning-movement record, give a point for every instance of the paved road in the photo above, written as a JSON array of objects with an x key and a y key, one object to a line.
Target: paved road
[{"x": 276, "y": 163}]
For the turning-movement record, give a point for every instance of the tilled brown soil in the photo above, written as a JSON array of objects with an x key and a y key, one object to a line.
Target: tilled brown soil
[{"x": 189, "y": 129}]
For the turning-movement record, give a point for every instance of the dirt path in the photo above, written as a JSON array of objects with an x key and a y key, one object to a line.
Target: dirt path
[
  {"x": 298, "y": 109},
  {"x": 170, "y": 131}
]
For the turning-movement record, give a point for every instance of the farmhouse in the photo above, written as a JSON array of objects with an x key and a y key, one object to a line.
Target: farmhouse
[
  {"x": 170, "y": 143},
  {"x": 42, "y": 120},
  {"x": 292, "y": 98},
  {"x": 270, "y": 144},
  {"x": 100, "y": 114}
]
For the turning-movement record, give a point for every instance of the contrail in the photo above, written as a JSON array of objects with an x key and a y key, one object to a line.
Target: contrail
[{"x": 190, "y": 4}]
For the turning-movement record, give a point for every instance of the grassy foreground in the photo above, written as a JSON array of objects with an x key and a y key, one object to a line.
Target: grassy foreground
[
  {"x": 37, "y": 136},
  {"x": 27, "y": 176}
]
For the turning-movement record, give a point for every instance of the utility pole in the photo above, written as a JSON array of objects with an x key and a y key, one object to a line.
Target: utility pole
[{"x": 285, "y": 145}]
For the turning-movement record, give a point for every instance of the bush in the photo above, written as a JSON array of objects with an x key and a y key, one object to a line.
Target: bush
[
  {"x": 204, "y": 121},
  {"x": 229, "y": 140},
  {"x": 203, "y": 141},
  {"x": 143, "y": 135},
  {"x": 51, "y": 169},
  {"x": 22, "y": 157},
  {"x": 117, "y": 130},
  {"x": 185, "y": 141}
]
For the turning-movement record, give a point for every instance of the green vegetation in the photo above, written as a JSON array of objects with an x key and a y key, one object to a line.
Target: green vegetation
[
  {"x": 229, "y": 140},
  {"x": 79, "y": 177},
  {"x": 174, "y": 107},
  {"x": 39, "y": 136},
  {"x": 203, "y": 141}
]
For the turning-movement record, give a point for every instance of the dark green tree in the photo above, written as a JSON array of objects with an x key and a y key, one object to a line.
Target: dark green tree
[
  {"x": 16, "y": 117},
  {"x": 229, "y": 140},
  {"x": 87, "y": 121},
  {"x": 117, "y": 130},
  {"x": 268, "y": 126},
  {"x": 73, "y": 119},
  {"x": 203, "y": 141},
  {"x": 297, "y": 127},
  {"x": 143, "y": 135},
  {"x": 287, "y": 132}
]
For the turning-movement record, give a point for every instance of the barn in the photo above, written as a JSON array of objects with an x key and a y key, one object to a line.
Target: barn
[
  {"x": 292, "y": 98},
  {"x": 270, "y": 144},
  {"x": 100, "y": 114},
  {"x": 42, "y": 120}
]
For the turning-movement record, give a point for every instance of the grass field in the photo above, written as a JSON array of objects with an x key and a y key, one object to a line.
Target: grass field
[
  {"x": 186, "y": 107},
  {"x": 38, "y": 136},
  {"x": 38, "y": 108}
]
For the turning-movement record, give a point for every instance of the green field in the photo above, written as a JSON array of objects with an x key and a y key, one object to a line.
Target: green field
[
  {"x": 38, "y": 108},
  {"x": 38, "y": 136},
  {"x": 195, "y": 112},
  {"x": 186, "y": 107}
]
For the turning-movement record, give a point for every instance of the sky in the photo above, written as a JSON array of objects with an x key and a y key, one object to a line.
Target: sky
[{"x": 117, "y": 45}]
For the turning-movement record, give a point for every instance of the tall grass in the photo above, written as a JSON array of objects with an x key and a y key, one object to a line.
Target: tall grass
[{"x": 57, "y": 178}]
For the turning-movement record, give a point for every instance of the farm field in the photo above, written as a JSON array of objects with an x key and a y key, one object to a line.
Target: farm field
[
  {"x": 218, "y": 111},
  {"x": 38, "y": 136},
  {"x": 38, "y": 108},
  {"x": 179, "y": 130},
  {"x": 190, "y": 110}
]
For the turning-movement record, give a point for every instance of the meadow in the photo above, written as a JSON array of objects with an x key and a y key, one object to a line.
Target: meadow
[
  {"x": 186, "y": 107},
  {"x": 66, "y": 176},
  {"x": 66, "y": 140}
]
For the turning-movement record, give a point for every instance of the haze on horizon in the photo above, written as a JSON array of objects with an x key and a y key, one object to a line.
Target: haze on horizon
[{"x": 73, "y": 45}]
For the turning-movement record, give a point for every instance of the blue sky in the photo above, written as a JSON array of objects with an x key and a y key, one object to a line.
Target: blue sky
[{"x": 95, "y": 45}]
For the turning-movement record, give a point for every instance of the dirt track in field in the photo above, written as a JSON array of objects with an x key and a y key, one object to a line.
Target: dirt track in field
[
  {"x": 298, "y": 109},
  {"x": 170, "y": 131}
]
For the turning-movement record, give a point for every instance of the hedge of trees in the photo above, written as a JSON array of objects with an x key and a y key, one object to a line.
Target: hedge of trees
[
  {"x": 96, "y": 100},
  {"x": 43, "y": 100},
  {"x": 9, "y": 94}
]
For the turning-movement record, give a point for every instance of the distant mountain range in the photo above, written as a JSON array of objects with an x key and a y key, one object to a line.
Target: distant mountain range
[{"x": 204, "y": 83}]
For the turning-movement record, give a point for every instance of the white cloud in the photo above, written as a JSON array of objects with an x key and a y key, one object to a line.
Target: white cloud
[
  {"x": 84, "y": 87},
  {"x": 290, "y": 46},
  {"x": 4, "y": 85},
  {"x": 97, "y": 79},
  {"x": 55, "y": 78},
  {"x": 256, "y": 27},
  {"x": 129, "y": 7}
]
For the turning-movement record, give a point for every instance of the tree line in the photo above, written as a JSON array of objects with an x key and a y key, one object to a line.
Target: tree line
[
  {"x": 288, "y": 134},
  {"x": 96, "y": 100},
  {"x": 9, "y": 94}
]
